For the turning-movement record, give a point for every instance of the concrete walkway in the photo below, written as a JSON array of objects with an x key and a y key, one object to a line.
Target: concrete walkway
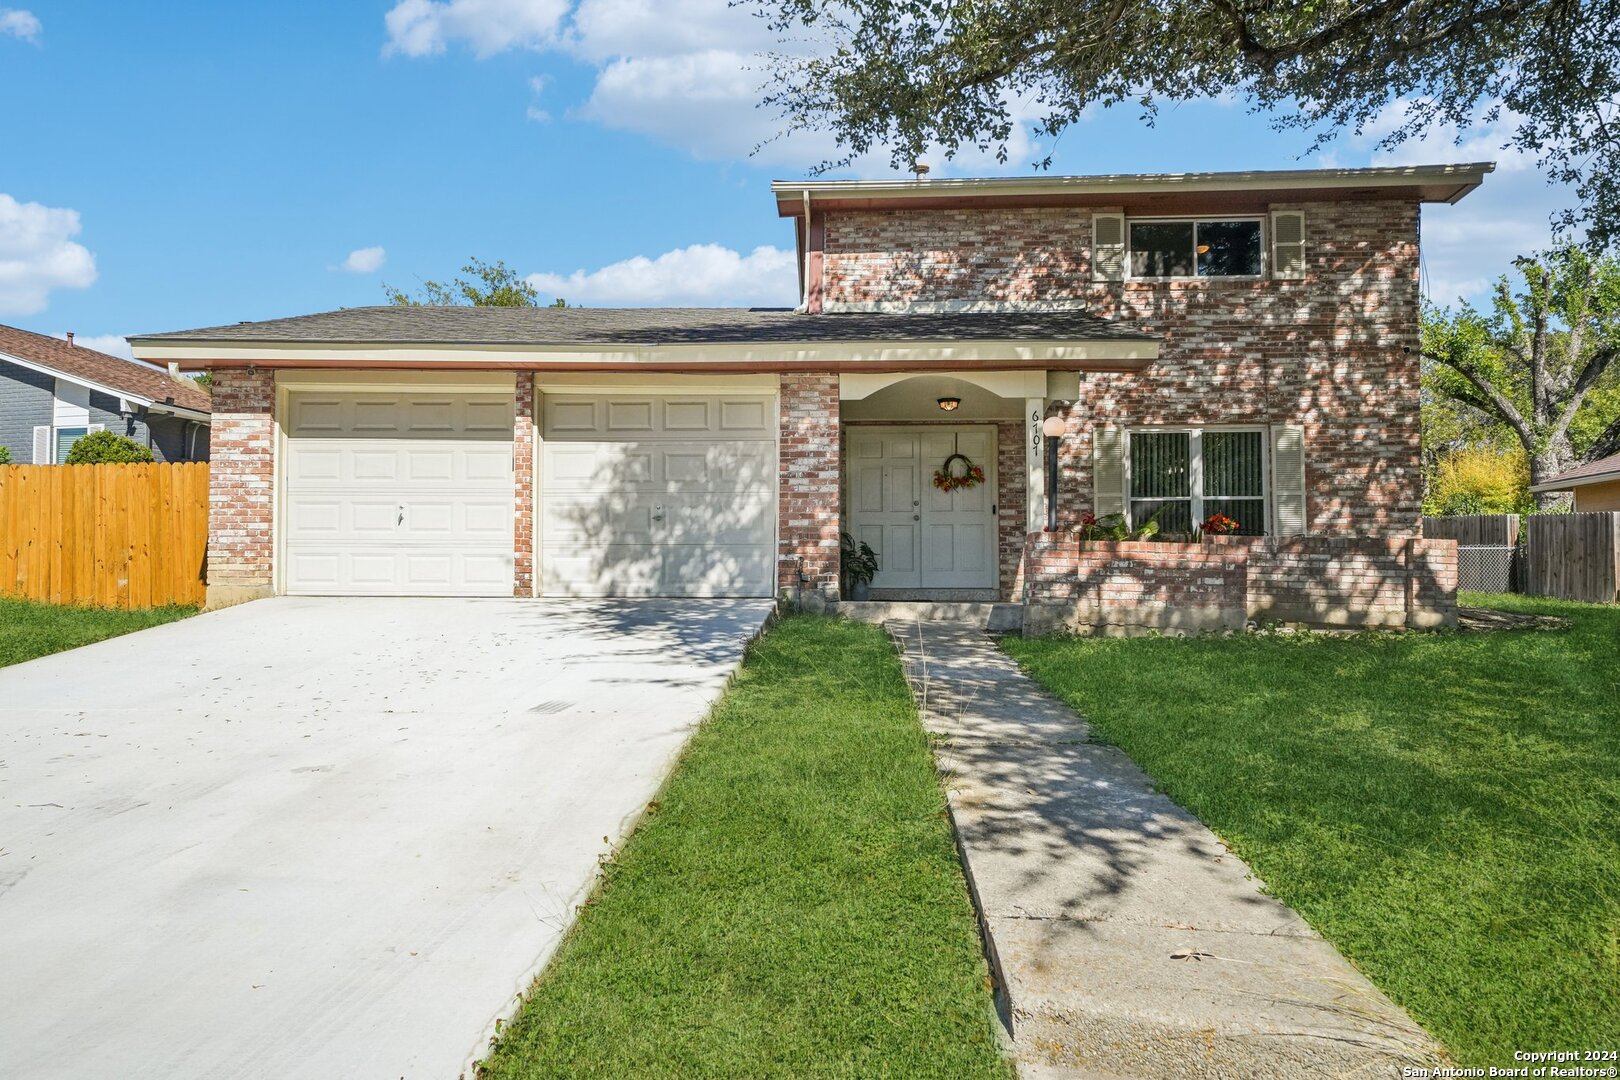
[
  {"x": 1128, "y": 941},
  {"x": 324, "y": 838}
]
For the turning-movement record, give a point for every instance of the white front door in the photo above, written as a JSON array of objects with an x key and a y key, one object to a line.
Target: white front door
[
  {"x": 654, "y": 495},
  {"x": 399, "y": 494},
  {"x": 925, "y": 538}
]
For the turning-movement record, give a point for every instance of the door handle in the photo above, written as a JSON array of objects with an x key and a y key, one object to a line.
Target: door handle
[
  {"x": 658, "y": 513},
  {"x": 916, "y": 517},
  {"x": 401, "y": 519}
]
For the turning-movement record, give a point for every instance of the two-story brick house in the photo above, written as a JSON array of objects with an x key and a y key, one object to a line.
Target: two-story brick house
[{"x": 1233, "y": 343}]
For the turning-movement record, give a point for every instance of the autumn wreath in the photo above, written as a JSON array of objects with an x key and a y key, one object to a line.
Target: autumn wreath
[{"x": 958, "y": 473}]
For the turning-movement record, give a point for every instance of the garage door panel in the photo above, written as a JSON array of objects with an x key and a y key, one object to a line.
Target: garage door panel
[
  {"x": 399, "y": 494},
  {"x": 671, "y": 496},
  {"x": 625, "y": 518}
]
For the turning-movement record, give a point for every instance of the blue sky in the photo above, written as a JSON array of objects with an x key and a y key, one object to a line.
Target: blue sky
[{"x": 172, "y": 165}]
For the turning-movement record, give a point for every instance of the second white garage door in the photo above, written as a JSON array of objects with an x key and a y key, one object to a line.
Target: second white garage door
[
  {"x": 399, "y": 494},
  {"x": 658, "y": 495}
]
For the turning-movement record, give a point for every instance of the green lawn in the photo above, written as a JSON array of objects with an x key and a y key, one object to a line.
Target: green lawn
[
  {"x": 1444, "y": 807},
  {"x": 792, "y": 906},
  {"x": 28, "y": 629}
]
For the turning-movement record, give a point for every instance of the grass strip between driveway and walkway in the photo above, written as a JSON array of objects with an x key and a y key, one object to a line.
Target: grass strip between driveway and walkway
[
  {"x": 1445, "y": 808},
  {"x": 792, "y": 904},
  {"x": 29, "y": 629}
]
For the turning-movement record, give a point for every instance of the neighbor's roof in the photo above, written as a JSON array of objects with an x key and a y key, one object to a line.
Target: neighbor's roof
[
  {"x": 1426, "y": 183},
  {"x": 1593, "y": 472},
  {"x": 648, "y": 327},
  {"x": 125, "y": 377}
]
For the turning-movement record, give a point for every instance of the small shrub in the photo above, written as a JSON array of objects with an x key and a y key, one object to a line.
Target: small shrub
[
  {"x": 5, "y": 455},
  {"x": 106, "y": 447},
  {"x": 1480, "y": 480}
]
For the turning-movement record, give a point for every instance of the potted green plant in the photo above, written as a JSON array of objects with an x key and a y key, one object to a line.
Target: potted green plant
[{"x": 860, "y": 565}]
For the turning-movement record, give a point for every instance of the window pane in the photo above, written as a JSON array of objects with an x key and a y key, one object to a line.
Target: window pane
[
  {"x": 1161, "y": 248},
  {"x": 65, "y": 438},
  {"x": 1160, "y": 465},
  {"x": 1227, "y": 248},
  {"x": 1232, "y": 463},
  {"x": 1250, "y": 514},
  {"x": 1175, "y": 515}
]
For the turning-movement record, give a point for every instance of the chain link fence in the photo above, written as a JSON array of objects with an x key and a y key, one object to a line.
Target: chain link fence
[{"x": 1487, "y": 568}]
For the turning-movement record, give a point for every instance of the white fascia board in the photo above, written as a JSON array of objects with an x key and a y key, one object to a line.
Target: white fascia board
[
  {"x": 1469, "y": 173},
  {"x": 77, "y": 380},
  {"x": 195, "y": 355}
]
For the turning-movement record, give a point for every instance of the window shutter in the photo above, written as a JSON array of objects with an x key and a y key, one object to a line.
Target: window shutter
[
  {"x": 1288, "y": 245},
  {"x": 1108, "y": 471},
  {"x": 42, "y": 446},
  {"x": 1288, "y": 478},
  {"x": 1107, "y": 247}
]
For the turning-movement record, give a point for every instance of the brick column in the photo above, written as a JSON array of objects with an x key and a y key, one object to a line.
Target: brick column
[
  {"x": 810, "y": 472},
  {"x": 523, "y": 464},
  {"x": 241, "y": 492}
]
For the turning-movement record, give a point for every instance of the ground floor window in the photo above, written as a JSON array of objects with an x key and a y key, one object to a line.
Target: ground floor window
[
  {"x": 1186, "y": 475},
  {"x": 65, "y": 438}
]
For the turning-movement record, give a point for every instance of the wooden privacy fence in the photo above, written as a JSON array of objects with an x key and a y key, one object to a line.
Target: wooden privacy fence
[
  {"x": 1573, "y": 556},
  {"x": 129, "y": 536},
  {"x": 1475, "y": 530}
]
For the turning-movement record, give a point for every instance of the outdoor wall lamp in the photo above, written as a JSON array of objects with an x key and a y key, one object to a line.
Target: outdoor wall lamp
[
  {"x": 1053, "y": 428},
  {"x": 950, "y": 404}
]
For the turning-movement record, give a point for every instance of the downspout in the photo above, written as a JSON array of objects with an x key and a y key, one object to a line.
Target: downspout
[{"x": 804, "y": 292}]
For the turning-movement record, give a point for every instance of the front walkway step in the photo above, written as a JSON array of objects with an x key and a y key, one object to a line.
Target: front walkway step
[
  {"x": 997, "y": 618},
  {"x": 1127, "y": 941}
]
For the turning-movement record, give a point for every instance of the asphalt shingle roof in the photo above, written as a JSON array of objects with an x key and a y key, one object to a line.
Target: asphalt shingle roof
[
  {"x": 1600, "y": 467},
  {"x": 650, "y": 327},
  {"x": 113, "y": 372}
]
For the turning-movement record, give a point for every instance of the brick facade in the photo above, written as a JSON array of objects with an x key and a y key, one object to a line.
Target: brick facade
[
  {"x": 1104, "y": 586},
  {"x": 241, "y": 495},
  {"x": 811, "y": 472},
  {"x": 1011, "y": 502},
  {"x": 523, "y": 436},
  {"x": 1335, "y": 352}
]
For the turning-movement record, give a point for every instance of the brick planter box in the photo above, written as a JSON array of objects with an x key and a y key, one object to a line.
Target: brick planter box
[{"x": 1133, "y": 587}]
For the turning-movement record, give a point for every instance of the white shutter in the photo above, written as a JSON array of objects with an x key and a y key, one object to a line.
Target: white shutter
[
  {"x": 1108, "y": 471},
  {"x": 42, "y": 446},
  {"x": 1288, "y": 244},
  {"x": 1288, "y": 478},
  {"x": 1107, "y": 247}
]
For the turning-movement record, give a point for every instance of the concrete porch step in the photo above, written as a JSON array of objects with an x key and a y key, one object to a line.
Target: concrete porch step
[{"x": 996, "y": 618}]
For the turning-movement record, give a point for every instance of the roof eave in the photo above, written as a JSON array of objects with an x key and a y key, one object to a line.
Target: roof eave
[
  {"x": 1431, "y": 183},
  {"x": 1557, "y": 484}
]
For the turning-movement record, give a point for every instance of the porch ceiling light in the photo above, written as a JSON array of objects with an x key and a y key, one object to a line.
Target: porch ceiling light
[
  {"x": 950, "y": 404},
  {"x": 1053, "y": 427}
]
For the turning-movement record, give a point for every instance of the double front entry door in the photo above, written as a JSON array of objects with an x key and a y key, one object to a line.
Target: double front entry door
[{"x": 925, "y": 538}]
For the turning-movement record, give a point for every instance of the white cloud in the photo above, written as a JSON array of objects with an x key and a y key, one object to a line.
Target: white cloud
[
  {"x": 366, "y": 260},
  {"x": 111, "y": 344},
  {"x": 1446, "y": 142},
  {"x": 428, "y": 27},
  {"x": 699, "y": 275},
  {"x": 20, "y": 24},
  {"x": 38, "y": 254}
]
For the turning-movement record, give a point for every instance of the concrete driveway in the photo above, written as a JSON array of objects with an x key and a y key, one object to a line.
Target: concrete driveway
[{"x": 324, "y": 838}]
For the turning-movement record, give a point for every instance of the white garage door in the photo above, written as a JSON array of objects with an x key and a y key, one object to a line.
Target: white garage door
[
  {"x": 399, "y": 494},
  {"x": 658, "y": 496}
]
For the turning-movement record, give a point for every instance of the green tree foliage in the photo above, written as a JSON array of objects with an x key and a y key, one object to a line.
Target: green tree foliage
[
  {"x": 1542, "y": 359},
  {"x": 483, "y": 285},
  {"x": 913, "y": 74},
  {"x": 106, "y": 447},
  {"x": 5, "y": 455}
]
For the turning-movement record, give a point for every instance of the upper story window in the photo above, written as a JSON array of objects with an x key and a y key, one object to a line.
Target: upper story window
[{"x": 1195, "y": 248}]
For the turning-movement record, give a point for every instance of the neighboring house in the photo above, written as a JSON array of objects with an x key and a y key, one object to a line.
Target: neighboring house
[
  {"x": 53, "y": 392},
  {"x": 1596, "y": 484},
  {"x": 1241, "y": 343}
]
